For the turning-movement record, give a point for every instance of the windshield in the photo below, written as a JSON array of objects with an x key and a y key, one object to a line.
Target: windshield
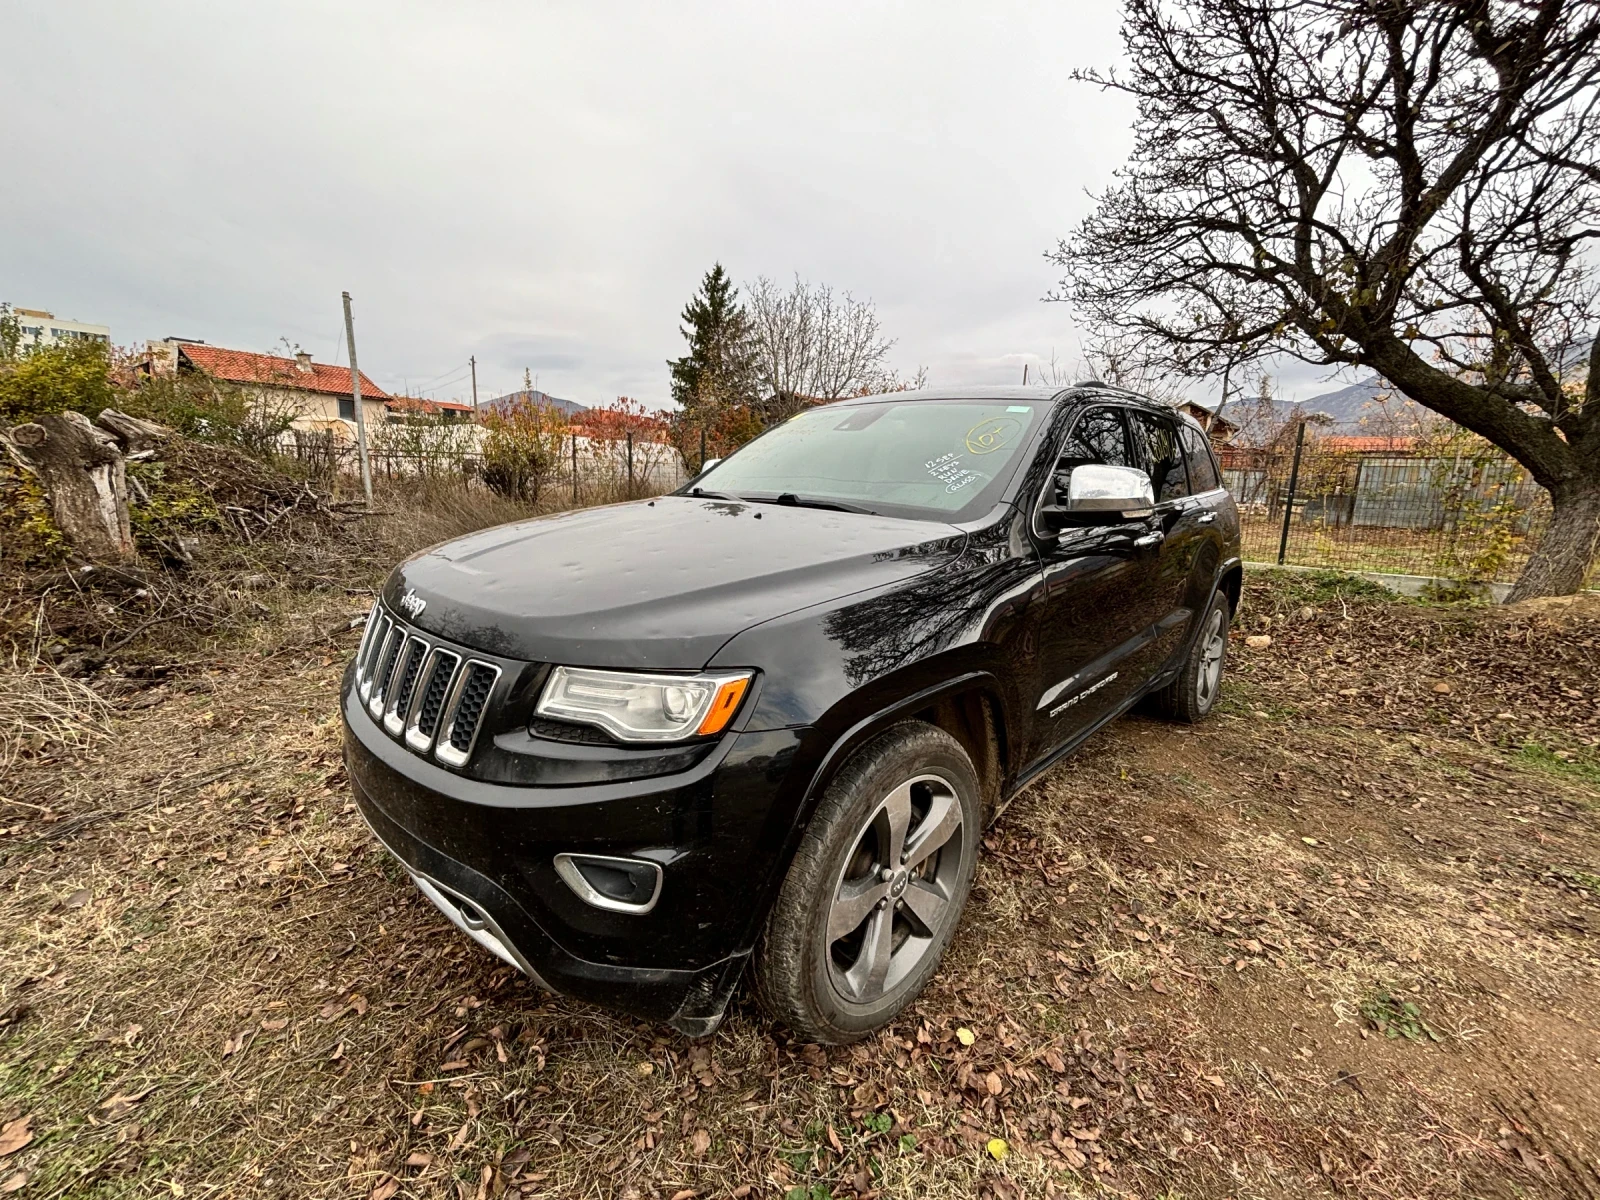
[{"x": 919, "y": 458}]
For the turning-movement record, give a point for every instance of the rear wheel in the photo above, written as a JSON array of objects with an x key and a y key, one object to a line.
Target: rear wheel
[
  {"x": 1194, "y": 692},
  {"x": 875, "y": 890}
]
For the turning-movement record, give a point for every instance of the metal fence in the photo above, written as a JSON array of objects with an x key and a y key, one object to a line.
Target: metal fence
[
  {"x": 582, "y": 471},
  {"x": 1469, "y": 516}
]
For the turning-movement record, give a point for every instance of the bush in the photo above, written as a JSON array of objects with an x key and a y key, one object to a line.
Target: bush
[
  {"x": 522, "y": 449},
  {"x": 87, "y": 377},
  {"x": 73, "y": 376}
]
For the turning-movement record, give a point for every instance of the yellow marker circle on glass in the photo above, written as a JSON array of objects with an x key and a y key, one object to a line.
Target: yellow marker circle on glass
[{"x": 988, "y": 436}]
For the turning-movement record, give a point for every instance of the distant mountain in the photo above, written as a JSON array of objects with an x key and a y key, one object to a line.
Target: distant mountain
[
  {"x": 532, "y": 396},
  {"x": 1356, "y": 408}
]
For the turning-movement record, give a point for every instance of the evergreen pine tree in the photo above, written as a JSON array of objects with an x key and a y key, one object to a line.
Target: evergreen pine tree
[{"x": 720, "y": 369}]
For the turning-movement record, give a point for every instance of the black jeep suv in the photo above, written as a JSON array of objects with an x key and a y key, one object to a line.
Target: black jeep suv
[{"x": 765, "y": 718}]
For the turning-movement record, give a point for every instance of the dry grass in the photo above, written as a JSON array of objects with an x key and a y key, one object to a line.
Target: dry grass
[
  {"x": 39, "y": 707},
  {"x": 218, "y": 985}
]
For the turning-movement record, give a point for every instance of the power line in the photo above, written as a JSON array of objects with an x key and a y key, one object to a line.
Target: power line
[{"x": 442, "y": 374}]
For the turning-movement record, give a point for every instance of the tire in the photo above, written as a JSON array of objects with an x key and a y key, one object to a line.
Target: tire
[
  {"x": 1193, "y": 694},
  {"x": 844, "y": 950}
]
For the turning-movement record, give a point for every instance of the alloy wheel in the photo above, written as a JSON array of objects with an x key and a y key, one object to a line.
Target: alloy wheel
[
  {"x": 1213, "y": 645},
  {"x": 892, "y": 901}
]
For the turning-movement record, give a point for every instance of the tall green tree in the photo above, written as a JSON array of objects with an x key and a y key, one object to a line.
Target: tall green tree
[
  {"x": 1405, "y": 185},
  {"x": 719, "y": 372}
]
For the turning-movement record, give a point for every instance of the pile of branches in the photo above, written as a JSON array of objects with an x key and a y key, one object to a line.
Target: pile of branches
[
  {"x": 253, "y": 497},
  {"x": 195, "y": 538}
]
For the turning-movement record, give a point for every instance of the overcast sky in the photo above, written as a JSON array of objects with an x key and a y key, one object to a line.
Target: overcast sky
[{"x": 542, "y": 185}]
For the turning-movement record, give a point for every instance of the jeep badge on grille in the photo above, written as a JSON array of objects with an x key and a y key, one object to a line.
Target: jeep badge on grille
[{"x": 413, "y": 603}]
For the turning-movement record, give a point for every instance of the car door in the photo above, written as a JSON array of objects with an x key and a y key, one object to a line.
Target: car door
[
  {"x": 1097, "y": 598},
  {"x": 1214, "y": 510},
  {"x": 1181, "y": 520}
]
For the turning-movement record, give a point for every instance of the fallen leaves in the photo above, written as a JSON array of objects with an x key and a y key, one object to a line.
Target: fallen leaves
[
  {"x": 123, "y": 1102},
  {"x": 998, "y": 1149},
  {"x": 965, "y": 1036},
  {"x": 14, "y": 1135}
]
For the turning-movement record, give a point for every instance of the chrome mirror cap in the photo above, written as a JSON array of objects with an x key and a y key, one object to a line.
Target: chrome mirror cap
[{"x": 1121, "y": 491}]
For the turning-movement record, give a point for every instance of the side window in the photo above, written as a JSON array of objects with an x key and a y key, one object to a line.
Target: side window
[
  {"x": 1096, "y": 438},
  {"x": 1202, "y": 468},
  {"x": 1156, "y": 449}
]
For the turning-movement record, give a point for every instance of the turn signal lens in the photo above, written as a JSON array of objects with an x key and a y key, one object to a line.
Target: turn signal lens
[{"x": 724, "y": 706}]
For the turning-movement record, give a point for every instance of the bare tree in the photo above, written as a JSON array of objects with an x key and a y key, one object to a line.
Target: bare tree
[
  {"x": 1408, "y": 185},
  {"x": 813, "y": 344}
]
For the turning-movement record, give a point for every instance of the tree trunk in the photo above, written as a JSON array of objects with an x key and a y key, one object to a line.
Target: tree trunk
[
  {"x": 1568, "y": 547},
  {"x": 81, "y": 468}
]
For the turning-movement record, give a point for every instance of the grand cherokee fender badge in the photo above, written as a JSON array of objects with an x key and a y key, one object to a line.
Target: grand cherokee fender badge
[{"x": 413, "y": 603}]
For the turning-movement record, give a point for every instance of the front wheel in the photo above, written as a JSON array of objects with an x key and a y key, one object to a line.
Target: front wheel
[
  {"x": 1194, "y": 692},
  {"x": 875, "y": 890}
]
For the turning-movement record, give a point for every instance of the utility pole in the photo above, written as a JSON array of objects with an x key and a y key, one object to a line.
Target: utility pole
[
  {"x": 355, "y": 390},
  {"x": 473, "y": 362}
]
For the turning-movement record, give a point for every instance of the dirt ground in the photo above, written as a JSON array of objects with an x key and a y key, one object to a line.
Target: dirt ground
[{"x": 1342, "y": 939}]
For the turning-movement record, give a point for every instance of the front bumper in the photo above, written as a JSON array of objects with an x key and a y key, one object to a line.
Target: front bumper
[{"x": 484, "y": 852}]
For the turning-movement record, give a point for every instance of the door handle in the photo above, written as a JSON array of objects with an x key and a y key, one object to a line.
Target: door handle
[
  {"x": 1148, "y": 540},
  {"x": 1207, "y": 518}
]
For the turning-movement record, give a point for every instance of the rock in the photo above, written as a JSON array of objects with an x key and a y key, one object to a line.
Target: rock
[{"x": 1258, "y": 641}]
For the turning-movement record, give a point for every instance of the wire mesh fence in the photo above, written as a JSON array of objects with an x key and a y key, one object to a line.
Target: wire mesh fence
[
  {"x": 576, "y": 469},
  {"x": 1471, "y": 515}
]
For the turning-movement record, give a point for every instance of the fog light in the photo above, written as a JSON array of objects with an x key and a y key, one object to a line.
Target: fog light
[{"x": 627, "y": 885}]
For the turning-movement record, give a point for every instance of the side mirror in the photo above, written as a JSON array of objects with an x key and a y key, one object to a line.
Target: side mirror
[{"x": 1098, "y": 494}]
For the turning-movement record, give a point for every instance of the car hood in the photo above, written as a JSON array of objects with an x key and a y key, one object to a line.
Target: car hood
[{"x": 653, "y": 584}]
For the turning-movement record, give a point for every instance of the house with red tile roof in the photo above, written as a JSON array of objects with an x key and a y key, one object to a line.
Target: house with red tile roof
[
  {"x": 408, "y": 407},
  {"x": 317, "y": 396}
]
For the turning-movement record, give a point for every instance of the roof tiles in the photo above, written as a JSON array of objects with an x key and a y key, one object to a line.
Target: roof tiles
[{"x": 242, "y": 366}]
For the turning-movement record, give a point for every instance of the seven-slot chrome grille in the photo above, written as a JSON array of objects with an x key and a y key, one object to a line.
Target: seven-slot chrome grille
[{"x": 424, "y": 693}]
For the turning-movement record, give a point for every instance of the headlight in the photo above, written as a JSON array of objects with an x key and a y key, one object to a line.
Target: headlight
[{"x": 644, "y": 708}]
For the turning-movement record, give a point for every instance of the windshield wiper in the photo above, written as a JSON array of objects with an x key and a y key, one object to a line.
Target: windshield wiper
[
  {"x": 790, "y": 500},
  {"x": 702, "y": 494}
]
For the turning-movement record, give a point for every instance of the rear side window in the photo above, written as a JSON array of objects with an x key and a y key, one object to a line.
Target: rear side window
[
  {"x": 1098, "y": 437},
  {"x": 1156, "y": 450},
  {"x": 1202, "y": 468}
]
